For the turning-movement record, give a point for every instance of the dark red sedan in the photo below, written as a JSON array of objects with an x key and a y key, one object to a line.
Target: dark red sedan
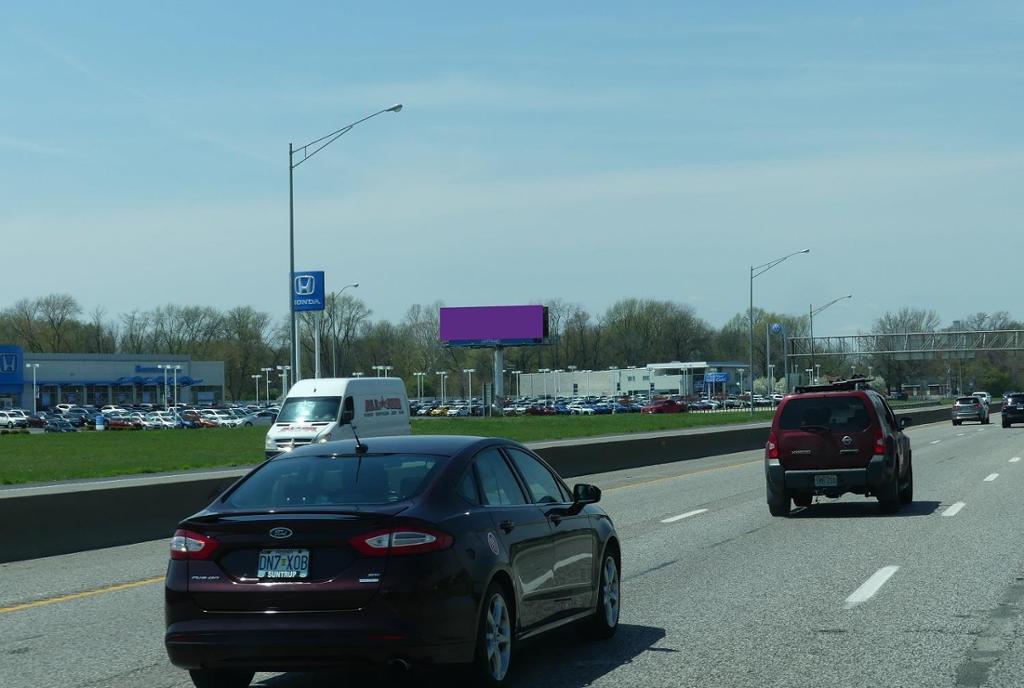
[
  {"x": 439, "y": 549},
  {"x": 664, "y": 406}
]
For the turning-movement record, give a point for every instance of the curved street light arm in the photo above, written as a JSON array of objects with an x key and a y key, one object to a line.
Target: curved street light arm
[{"x": 327, "y": 140}]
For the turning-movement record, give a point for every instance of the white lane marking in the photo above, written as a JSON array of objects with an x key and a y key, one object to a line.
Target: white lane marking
[
  {"x": 961, "y": 434},
  {"x": 991, "y": 477},
  {"x": 1015, "y": 459},
  {"x": 871, "y": 586},
  {"x": 934, "y": 441},
  {"x": 680, "y": 517},
  {"x": 954, "y": 509}
]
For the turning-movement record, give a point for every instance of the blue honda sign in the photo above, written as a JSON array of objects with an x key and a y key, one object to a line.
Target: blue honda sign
[
  {"x": 308, "y": 291},
  {"x": 12, "y": 366}
]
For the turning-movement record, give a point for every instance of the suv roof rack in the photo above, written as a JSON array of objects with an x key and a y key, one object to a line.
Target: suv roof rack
[{"x": 854, "y": 383}]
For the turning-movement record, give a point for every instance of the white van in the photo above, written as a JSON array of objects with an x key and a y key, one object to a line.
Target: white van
[{"x": 325, "y": 409}]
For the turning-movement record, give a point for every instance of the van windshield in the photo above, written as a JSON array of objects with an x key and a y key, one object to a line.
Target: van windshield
[{"x": 309, "y": 410}]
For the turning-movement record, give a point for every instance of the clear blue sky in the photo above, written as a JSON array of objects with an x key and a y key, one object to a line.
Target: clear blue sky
[{"x": 583, "y": 150}]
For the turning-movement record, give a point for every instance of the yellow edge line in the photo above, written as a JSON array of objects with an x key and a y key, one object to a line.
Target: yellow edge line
[
  {"x": 80, "y": 595},
  {"x": 682, "y": 475}
]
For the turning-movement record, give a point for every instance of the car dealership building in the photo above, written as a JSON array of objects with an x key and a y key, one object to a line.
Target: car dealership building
[
  {"x": 676, "y": 377},
  {"x": 100, "y": 379}
]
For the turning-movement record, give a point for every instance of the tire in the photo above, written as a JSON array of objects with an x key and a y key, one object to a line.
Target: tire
[
  {"x": 492, "y": 660},
  {"x": 889, "y": 495},
  {"x": 248, "y": 424},
  {"x": 803, "y": 500},
  {"x": 987, "y": 420},
  {"x": 778, "y": 505},
  {"x": 907, "y": 491},
  {"x": 223, "y": 678},
  {"x": 605, "y": 621},
  {"x": 956, "y": 422}
]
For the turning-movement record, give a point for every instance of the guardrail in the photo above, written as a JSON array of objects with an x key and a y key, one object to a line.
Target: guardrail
[{"x": 48, "y": 520}]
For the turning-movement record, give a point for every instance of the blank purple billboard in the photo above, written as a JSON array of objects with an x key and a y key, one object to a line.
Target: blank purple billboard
[{"x": 494, "y": 324}]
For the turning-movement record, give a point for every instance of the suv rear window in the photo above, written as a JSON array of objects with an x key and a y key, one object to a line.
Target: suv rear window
[
  {"x": 968, "y": 400},
  {"x": 1015, "y": 399},
  {"x": 839, "y": 414}
]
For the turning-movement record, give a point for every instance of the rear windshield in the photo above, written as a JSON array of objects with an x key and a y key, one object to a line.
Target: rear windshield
[
  {"x": 335, "y": 481},
  {"x": 839, "y": 414},
  {"x": 1015, "y": 398},
  {"x": 309, "y": 410},
  {"x": 967, "y": 400}
]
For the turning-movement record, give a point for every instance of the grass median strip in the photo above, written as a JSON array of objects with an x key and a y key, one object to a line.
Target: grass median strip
[{"x": 84, "y": 455}]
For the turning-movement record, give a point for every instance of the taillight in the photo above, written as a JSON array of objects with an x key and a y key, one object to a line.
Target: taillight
[
  {"x": 189, "y": 545},
  {"x": 401, "y": 540},
  {"x": 772, "y": 448},
  {"x": 879, "y": 444}
]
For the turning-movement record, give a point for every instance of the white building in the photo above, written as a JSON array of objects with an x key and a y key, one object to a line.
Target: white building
[{"x": 676, "y": 377}]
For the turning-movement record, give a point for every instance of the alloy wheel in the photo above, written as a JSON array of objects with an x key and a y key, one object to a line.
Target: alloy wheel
[
  {"x": 498, "y": 636},
  {"x": 611, "y": 592}
]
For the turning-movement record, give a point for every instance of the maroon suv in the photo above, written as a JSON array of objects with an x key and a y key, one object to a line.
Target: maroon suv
[{"x": 832, "y": 439}]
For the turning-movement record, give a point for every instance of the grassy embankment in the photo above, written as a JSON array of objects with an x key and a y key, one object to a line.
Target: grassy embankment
[{"x": 44, "y": 458}]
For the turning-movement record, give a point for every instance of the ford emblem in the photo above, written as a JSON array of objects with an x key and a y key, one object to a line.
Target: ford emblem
[
  {"x": 281, "y": 533},
  {"x": 847, "y": 441}
]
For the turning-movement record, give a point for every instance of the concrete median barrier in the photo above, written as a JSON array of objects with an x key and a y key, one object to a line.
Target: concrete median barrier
[{"x": 48, "y": 520}]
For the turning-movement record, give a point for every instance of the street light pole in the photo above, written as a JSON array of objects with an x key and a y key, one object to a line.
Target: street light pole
[
  {"x": 812, "y": 311},
  {"x": 334, "y": 328},
  {"x": 316, "y": 146},
  {"x": 470, "y": 371},
  {"x": 35, "y": 390},
  {"x": 257, "y": 379},
  {"x": 176, "y": 368},
  {"x": 756, "y": 271},
  {"x": 266, "y": 372},
  {"x": 164, "y": 367},
  {"x": 284, "y": 376}
]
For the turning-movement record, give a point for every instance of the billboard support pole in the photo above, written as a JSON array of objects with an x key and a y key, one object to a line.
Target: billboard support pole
[
  {"x": 316, "y": 344},
  {"x": 499, "y": 375}
]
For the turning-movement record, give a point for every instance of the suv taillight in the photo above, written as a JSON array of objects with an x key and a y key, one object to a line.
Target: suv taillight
[
  {"x": 187, "y": 545},
  {"x": 771, "y": 449},
  {"x": 879, "y": 444},
  {"x": 401, "y": 540}
]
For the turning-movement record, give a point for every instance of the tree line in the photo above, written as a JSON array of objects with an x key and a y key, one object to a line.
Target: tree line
[{"x": 630, "y": 332}]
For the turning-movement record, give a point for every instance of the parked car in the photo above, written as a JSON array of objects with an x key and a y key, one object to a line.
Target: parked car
[
  {"x": 833, "y": 439},
  {"x": 38, "y": 419},
  {"x": 259, "y": 418},
  {"x": 1013, "y": 408},
  {"x": 10, "y": 420},
  {"x": 970, "y": 408},
  {"x": 326, "y": 515},
  {"x": 57, "y": 424},
  {"x": 664, "y": 406}
]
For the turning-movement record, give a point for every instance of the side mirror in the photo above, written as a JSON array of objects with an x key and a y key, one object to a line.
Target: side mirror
[
  {"x": 347, "y": 416},
  {"x": 583, "y": 493},
  {"x": 905, "y": 421}
]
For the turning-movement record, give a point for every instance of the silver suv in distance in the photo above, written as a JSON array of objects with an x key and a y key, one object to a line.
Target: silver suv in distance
[{"x": 970, "y": 408}]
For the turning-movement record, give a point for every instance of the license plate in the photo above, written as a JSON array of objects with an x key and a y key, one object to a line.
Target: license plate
[
  {"x": 826, "y": 481},
  {"x": 283, "y": 563}
]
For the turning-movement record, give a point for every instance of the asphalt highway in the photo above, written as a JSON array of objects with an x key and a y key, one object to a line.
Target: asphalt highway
[{"x": 715, "y": 591}]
